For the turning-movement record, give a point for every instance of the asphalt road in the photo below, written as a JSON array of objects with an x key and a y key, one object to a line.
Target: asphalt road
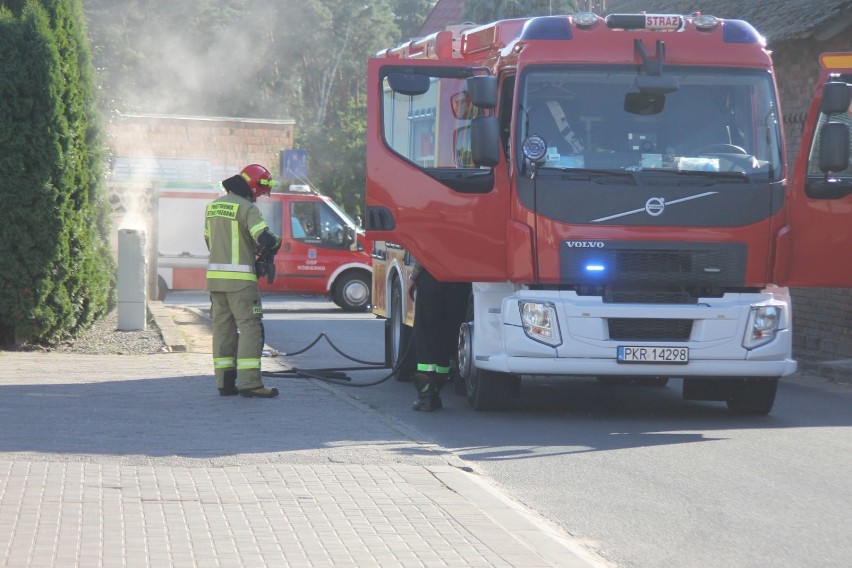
[{"x": 643, "y": 477}]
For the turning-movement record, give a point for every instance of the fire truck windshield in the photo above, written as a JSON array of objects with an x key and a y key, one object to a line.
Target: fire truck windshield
[{"x": 718, "y": 120}]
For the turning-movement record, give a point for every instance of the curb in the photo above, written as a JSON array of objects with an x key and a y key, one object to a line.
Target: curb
[
  {"x": 549, "y": 541},
  {"x": 172, "y": 336},
  {"x": 839, "y": 370},
  {"x": 527, "y": 526}
]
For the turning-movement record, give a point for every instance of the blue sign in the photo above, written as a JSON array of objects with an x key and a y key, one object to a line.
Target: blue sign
[{"x": 294, "y": 165}]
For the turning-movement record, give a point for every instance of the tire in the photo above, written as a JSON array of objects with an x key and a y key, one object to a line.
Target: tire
[
  {"x": 488, "y": 390},
  {"x": 399, "y": 337},
  {"x": 464, "y": 365},
  {"x": 752, "y": 397},
  {"x": 352, "y": 292}
]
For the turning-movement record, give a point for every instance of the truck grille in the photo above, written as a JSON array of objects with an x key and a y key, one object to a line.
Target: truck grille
[
  {"x": 644, "y": 329},
  {"x": 652, "y": 264}
]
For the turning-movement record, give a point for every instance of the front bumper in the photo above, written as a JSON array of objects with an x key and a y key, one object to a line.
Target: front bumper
[{"x": 715, "y": 341}]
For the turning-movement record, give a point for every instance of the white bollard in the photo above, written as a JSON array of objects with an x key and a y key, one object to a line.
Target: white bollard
[{"x": 132, "y": 280}]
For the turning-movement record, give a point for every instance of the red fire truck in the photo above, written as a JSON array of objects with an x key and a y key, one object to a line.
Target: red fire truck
[
  {"x": 616, "y": 190},
  {"x": 323, "y": 251}
]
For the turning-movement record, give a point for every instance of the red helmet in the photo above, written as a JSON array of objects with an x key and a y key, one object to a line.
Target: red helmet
[{"x": 258, "y": 178}]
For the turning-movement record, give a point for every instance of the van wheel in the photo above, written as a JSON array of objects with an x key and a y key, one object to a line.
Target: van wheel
[{"x": 352, "y": 292}]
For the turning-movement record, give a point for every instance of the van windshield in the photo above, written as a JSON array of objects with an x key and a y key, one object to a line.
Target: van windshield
[{"x": 719, "y": 120}]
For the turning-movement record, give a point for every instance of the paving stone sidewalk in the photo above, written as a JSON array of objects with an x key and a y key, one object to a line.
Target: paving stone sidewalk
[{"x": 112, "y": 460}]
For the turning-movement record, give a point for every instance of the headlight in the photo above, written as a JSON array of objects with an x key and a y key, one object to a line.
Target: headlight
[
  {"x": 540, "y": 322},
  {"x": 762, "y": 326}
]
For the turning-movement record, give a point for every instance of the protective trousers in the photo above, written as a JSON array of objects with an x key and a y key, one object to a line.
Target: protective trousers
[
  {"x": 439, "y": 311},
  {"x": 237, "y": 336}
]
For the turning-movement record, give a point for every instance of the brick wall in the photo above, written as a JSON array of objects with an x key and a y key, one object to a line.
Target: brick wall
[
  {"x": 822, "y": 319},
  {"x": 227, "y": 143}
]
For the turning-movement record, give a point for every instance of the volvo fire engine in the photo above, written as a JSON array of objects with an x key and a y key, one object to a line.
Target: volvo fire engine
[{"x": 616, "y": 191}]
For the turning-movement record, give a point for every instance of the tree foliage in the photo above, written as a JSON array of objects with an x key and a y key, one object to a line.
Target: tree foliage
[
  {"x": 484, "y": 11},
  {"x": 57, "y": 272},
  {"x": 300, "y": 59}
]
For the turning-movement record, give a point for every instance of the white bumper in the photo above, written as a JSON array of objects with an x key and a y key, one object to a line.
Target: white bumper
[{"x": 715, "y": 343}]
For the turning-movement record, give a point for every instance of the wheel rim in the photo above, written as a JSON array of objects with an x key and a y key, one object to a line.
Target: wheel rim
[
  {"x": 356, "y": 293},
  {"x": 465, "y": 348}
]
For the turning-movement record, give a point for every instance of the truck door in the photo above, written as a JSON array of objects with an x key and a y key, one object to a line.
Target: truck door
[
  {"x": 423, "y": 189},
  {"x": 814, "y": 248}
]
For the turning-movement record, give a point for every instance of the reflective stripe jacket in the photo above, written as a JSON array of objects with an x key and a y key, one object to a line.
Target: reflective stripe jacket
[{"x": 231, "y": 227}]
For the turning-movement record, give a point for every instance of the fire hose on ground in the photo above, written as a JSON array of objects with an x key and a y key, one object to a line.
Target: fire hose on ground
[{"x": 334, "y": 375}]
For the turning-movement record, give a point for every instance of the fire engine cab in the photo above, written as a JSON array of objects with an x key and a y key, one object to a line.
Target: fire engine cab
[{"x": 616, "y": 190}]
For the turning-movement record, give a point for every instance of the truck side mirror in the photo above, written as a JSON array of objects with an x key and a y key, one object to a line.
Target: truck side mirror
[
  {"x": 408, "y": 84},
  {"x": 483, "y": 91},
  {"x": 833, "y": 157},
  {"x": 834, "y": 147},
  {"x": 836, "y": 97},
  {"x": 485, "y": 141}
]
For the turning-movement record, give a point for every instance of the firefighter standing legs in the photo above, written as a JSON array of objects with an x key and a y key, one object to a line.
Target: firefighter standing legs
[
  {"x": 238, "y": 343},
  {"x": 224, "y": 344},
  {"x": 438, "y": 312}
]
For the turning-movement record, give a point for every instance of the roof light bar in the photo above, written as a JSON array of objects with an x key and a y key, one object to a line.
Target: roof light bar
[
  {"x": 547, "y": 27},
  {"x": 705, "y": 22},
  {"x": 585, "y": 19},
  {"x": 739, "y": 31}
]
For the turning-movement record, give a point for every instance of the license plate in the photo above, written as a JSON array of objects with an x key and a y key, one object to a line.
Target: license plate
[{"x": 639, "y": 354}]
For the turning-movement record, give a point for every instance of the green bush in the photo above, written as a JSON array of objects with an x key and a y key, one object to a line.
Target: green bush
[{"x": 58, "y": 274}]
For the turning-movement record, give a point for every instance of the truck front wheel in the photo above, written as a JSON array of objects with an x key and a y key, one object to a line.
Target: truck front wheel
[
  {"x": 352, "y": 292},
  {"x": 754, "y": 397},
  {"x": 488, "y": 390}
]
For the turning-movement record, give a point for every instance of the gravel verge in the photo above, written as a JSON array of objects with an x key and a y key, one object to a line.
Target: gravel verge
[{"x": 104, "y": 338}]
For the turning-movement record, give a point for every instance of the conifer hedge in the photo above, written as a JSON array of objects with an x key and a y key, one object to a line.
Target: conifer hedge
[{"x": 57, "y": 274}]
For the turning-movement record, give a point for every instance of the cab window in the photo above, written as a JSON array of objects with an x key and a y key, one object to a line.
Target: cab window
[
  {"x": 314, "y": 222},
  {"x": 431, "y": 130}
]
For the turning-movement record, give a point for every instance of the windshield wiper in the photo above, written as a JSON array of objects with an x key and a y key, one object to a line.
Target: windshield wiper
[
  {"x": 587, "y": 174},
  {"x": 711, "y": 177}
]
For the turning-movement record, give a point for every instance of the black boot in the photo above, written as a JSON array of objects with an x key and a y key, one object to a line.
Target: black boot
[
  {"x": 426, "y": 393},
  {"x": 230, "y": 384},
  {"x": 437, "y": 385}
]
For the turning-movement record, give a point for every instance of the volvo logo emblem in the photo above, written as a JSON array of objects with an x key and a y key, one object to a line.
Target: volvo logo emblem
[{"x": 655, "y": 206}]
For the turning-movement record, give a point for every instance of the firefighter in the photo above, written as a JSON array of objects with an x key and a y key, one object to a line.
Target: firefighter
[
  {"x": 438, "y": 313},
  {"x": 234, "y": 229}
]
